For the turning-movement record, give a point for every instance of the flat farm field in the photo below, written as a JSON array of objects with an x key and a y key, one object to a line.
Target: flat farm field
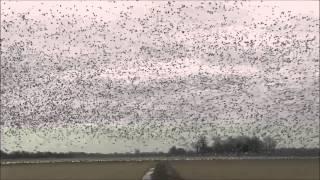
[
  {"x": 76, "y": 171},
  {"x": 248, "y": 169},
  {"x": 280, "y": 169}
]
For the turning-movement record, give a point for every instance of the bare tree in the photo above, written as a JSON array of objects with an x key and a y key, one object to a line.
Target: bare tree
[
  {"x": 269, "y": 144},
  {"x": 201, "y": 145}
]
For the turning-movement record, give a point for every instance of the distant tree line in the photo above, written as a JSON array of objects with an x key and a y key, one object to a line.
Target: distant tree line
[
  {"x": 231, "y": 145},
  {"x": 241, "y": 145},
  {"x": 24, "y": 154},
  {"x": 31, "y": 155}
]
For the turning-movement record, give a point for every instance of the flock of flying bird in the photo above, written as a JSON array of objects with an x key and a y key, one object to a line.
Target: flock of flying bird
[{"x": 165, "y": 71}]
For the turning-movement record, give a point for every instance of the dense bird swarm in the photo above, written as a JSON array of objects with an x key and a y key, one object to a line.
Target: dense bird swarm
[{"x": 167, "y": 72}]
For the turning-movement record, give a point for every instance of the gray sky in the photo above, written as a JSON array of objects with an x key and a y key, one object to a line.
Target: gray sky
[{"x": 115, "y": 76}]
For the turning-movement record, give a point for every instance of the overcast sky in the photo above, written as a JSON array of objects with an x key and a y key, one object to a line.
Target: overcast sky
[{"x": 116, "y": 76}]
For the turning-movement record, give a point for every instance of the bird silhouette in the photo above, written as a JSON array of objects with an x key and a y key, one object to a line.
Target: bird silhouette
[{"x": 81, "y": 74}]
